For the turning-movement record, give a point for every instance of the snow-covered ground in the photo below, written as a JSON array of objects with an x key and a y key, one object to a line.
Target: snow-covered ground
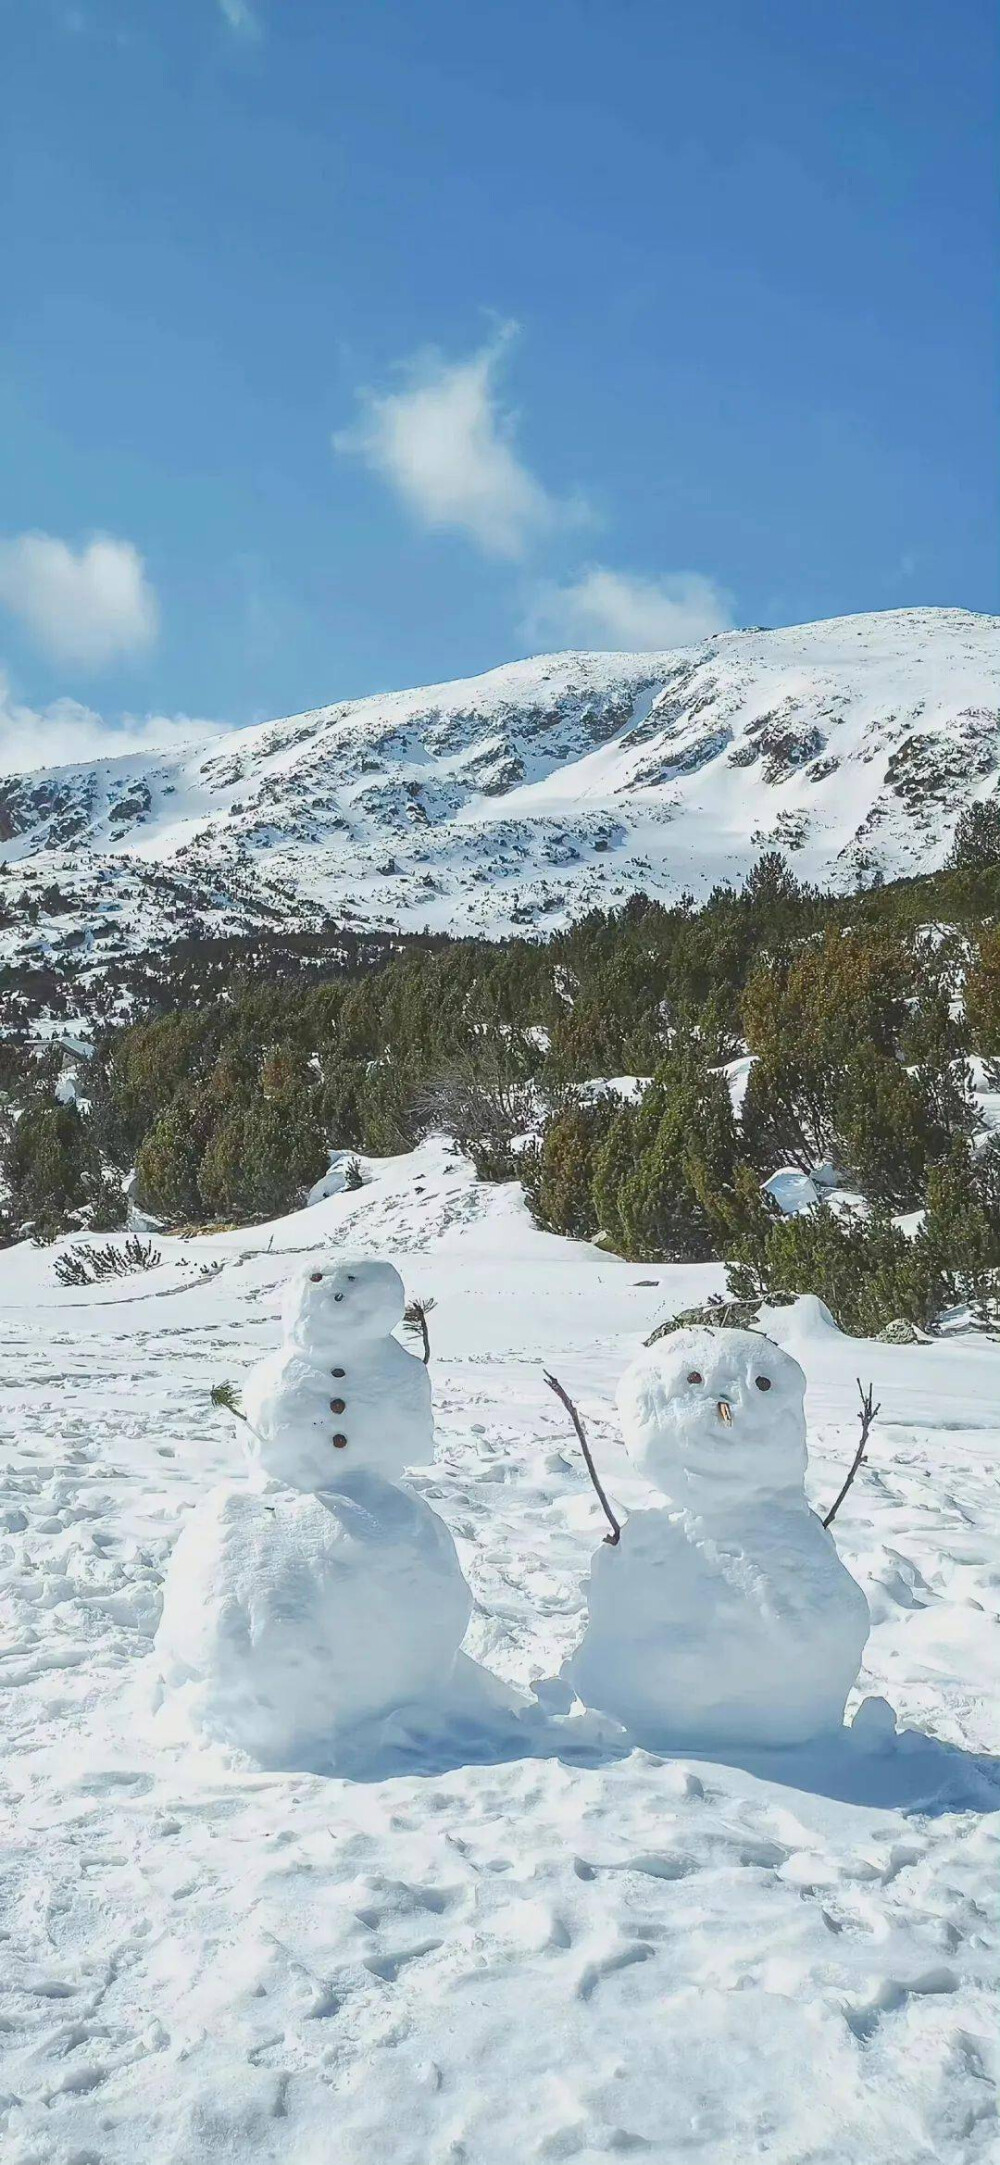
[{"x": 576, "y": 1953}]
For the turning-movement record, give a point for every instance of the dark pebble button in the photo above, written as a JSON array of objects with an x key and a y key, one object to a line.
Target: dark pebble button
[
  {"x": 338, "y": 1405},
  {"x": 339, "y": 1442},
  {"x": 338, "y": 1371}
]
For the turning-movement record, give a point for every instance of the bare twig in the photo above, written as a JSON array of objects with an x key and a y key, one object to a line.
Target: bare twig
[
  {"x": 415, "y": 1316},
  {"x": 866, "y": 1416},
  {"x": 227, "y": 1395},
  {"x": 615, "y": 1535}
]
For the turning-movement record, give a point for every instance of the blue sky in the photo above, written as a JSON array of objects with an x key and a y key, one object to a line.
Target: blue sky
[{"x": 356, "y": 345}]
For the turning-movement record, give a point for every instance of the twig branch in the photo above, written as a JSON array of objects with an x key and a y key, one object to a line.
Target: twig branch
[
  {"x": 415, "y": 1316},
  {"x": 866, "y": 1416},
  {"x": 615, "y": 1535}
]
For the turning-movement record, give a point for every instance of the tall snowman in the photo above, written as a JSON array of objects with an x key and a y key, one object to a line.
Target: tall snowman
[
  {"x": 723, "y": 1616},
  {"x": 313, "y": 1602}
]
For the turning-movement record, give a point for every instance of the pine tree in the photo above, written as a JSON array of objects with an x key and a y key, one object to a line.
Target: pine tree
[
  {"x": 686, "y": 1129},
  {"x": 166, "y": 1173},
  {"x": 962, "y": 1226},
  {"x": 976, "y": 841},
  {"x": 885, "y": 1129},
  {"x": 558, "y": 1180}
]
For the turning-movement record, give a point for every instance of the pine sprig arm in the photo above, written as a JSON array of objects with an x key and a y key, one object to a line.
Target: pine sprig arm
[
  {"x": 415, "y": 1316},
  {"x": 227, "y": 1395}
]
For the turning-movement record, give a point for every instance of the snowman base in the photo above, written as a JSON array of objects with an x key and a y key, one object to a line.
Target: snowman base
[
  {"x": 299, "y": 1630},
  {"x": 710, "y": 1637}
]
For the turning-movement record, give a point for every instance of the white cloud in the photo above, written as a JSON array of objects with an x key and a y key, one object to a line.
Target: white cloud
[
  {"x": 241, "y": 18},
  {"x": 86, "y": 605},
  {"x": 613, "y": 609},
  {"x": 67, "y": 733},
  {"x": 445, "y": 443}
]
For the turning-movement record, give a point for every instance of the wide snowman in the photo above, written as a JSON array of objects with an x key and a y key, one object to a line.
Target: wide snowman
[
  {"x": 320, "y": 1598},
  {"x": 723, "y": 1616}
]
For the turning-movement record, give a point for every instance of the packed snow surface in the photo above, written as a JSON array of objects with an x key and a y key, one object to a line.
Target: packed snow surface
[
  {"x": 729, "y": 1618},
  {"x": 548, "y": 1950},
  {"x": 524, "y": 797}
]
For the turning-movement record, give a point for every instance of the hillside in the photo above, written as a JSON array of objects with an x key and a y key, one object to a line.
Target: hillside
[{"x": 519, "y": 799}]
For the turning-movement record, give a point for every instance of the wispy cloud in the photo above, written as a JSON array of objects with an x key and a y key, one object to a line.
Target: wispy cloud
[
  {"x": 67, "y": 733},
  {"x": 241, "y": 18},
  {"x": 86, "y": 606},
  {"x": 446, "y": 444},
  {"x": 635, "y": 615}
]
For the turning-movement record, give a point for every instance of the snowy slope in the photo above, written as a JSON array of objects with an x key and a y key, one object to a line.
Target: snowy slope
[
  {"x": 523, "y": 797},
  {"x": 570, "y": 1954}
]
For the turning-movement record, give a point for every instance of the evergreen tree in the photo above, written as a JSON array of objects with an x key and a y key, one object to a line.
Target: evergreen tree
[
  {"x": 962, "y": 1226},
  {"x": 558, "y": 1178},
  {"x": 865, "y": 1270},
  {"x": 166, "y": 1173},
  {"x": 976, "y": 841},
  {"x": 684, "y": 1142},
  {"x": 788, "y": 1115},
  {"x": 612, "y": 1160},
  {"x": 55, "y": 1175},
  {"x": 885, "y": 1129},
  {"x": 262, "y": 1158},
  {"x": 982, "y": 994}
]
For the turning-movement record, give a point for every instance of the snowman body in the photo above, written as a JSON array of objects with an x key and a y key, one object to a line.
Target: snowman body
[
  {"x": 724, "y": 1616},
  {"x": 289, "y": 1619},
  {"x": 321, "y": 1597}
]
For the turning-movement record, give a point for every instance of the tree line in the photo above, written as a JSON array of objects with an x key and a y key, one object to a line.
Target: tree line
[{"x": 858, "y": 1015}]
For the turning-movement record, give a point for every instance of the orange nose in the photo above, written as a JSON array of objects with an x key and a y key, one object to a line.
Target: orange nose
[{"x": 725, "y": 1412}]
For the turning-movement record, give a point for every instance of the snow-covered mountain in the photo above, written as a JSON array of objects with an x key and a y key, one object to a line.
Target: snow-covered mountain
[{"x": 521, "y": 798}]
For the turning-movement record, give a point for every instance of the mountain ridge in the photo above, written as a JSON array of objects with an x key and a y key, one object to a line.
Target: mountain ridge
[{"x": 516, "y": 800}]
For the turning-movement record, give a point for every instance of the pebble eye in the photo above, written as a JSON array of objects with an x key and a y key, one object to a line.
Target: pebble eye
[
  {"x": 315, "y": 1276},
  {"x": 695, "y": 1376},
  {"x": 763, "y": 1383}
]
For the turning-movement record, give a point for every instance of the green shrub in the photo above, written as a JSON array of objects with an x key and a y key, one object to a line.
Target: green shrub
[
  {"x": 663, "y": 1161},
  {"x": 166, "y": 1173},
  {"x": 962, "y": 1226},
  {"x": 558, "y": 1176},
  {"x": 55, "y": 1175},
  {"x": 865, "y": 1270},
  {"x": 262, "y": 1159},
  {"x": 788, "y": 1116},
  {"x": 887, "y": 1129}
]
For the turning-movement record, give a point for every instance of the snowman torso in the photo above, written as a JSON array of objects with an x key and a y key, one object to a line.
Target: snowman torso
[
  {"x": 724, "y": 1614},
  {"x": 290, "y": 1619},
  {"x": 315, "y": 1417}
]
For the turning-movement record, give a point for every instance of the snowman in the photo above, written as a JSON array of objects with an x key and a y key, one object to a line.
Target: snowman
[
  {"x": 319, "y": 1599},
  {"x": 724, "y": 1616}
]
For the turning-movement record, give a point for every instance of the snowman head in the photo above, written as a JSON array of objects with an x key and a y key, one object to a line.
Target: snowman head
[
  {"x": 333, "y": 1301},
  {"x": 715, "y": 1418}
]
